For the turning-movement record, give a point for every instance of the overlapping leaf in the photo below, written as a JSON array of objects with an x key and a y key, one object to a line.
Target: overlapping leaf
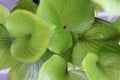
[
  {"x": 25, "y": 71},
  {"x": 61, "y": 41},
  {"x": 32, "y": 35},
  {"x": 105, "y": 67},
  {"x": 6, "y": 60},
  {"x": 56, "y": 68},
  {"x": 46, "y": 56},
  {"x": 26, "y": 5},
  {"x": 102, "y": 30},
  {"x": 102, "y": 35},
  {"x": 75, "y": 15},
  {"x": 67, "y": 16},
  {"x": 82, "y": 48}
]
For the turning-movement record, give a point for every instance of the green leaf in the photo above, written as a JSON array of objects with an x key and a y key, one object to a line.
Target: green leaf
[
  {"x": 105, "y": 67},
  {"x": 61, "y": 41},
  {"x": 82, "y": 48},
  {"x": 111, "y": 6},
  {"x": 77, "y": 75},
  {"x": 32, "y": 35},
  {"x": 102, "y": 35},
  {"x": 26, "y": 5},
  {"x": 53, "y": 69},
  {"x": 116, "y": 24},
  {"x": 67, "y": 55},
  {"x": 4, "y": 13},
  {"x": 102, "y": 30},
  {"x": 67, "y": 19},
  {"x": 46, "y": 55},
  {"x": 75, "y": 38},
  {"x": 75, "y": 16},
  {"x": 56, "y": 68},
  {"x": 25, "y": 71},
  {"x": 6, "y": 60},
  {"x": 92, "y": 69}
]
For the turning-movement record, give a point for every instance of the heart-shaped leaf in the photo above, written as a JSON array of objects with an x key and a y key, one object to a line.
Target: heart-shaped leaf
[
  {"x": 111, "y": 6},
  {"x": 25, "y": 71},
  {"x": 4, "y": 13},
  {"x": 105, "y": 67},
  {"x": 67, "y": 17},
  {"x": 6, "y": 60},
  {"x": 26, "y": 5},
  {"x": 75, "y": 16},
  {"x": 32, "y": 35},
  {"x": 61, "y": 41},
  {"x": 56, "y": 68}
]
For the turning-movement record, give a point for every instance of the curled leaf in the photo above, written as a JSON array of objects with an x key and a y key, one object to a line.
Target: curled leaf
[{"x": 32, "y": 35}]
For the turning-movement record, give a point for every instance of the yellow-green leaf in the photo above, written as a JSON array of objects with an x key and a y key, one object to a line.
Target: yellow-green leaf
[
  {"x": 4, "y": 13},
  {"x": 31, "y": 33}
]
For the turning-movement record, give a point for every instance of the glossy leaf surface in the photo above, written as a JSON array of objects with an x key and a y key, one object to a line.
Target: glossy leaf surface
[
  {"x": 105, "y": 67},
  {"x": 82, "y": 48},
  {"x": 75, "y": 15},
  {"x": 101, "y": 35},
  {"x": 32, "y": 35},
  {"x": 68, "y": 15},
  {"x": 102, "y": 30},
  {"x": 57, "y": 70},
  {"x": 61, "y": 41}
]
